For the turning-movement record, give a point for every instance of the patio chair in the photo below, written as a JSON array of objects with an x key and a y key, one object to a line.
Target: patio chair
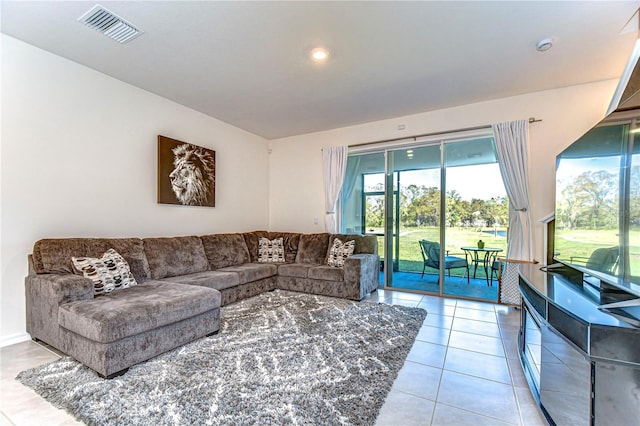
[
  {"x": 601, "y": 259},
  {"x": 604, "y": 260},
  {"x": 497, "y": 266},
  {"x": 431, "y": 257}
]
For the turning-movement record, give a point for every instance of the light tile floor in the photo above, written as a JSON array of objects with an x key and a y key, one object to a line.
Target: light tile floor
[{"x": 463, "y": 369}]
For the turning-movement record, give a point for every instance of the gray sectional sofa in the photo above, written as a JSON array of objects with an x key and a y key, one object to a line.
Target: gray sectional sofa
[{"x": 182, "y": 283}]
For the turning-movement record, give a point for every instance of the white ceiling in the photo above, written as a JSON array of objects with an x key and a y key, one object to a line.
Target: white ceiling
[{"x": 247, "y": 63}]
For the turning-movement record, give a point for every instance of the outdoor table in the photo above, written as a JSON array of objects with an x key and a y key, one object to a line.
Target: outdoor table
[{"x": 474, "y": 254}]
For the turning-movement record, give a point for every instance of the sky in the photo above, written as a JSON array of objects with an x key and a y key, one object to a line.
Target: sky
[
  {"x": 570, "y": 168},
  {"x": 480, "y": 181}
]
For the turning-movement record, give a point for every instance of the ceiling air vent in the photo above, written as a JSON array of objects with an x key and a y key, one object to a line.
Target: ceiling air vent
[{"x": 110, "y": 24}]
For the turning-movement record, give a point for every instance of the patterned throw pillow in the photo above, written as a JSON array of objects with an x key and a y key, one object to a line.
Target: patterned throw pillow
[
  {"x": 339, "y": 252},
  {"x": 270, "y": 251},
  {"x": 110, "y": 272}
]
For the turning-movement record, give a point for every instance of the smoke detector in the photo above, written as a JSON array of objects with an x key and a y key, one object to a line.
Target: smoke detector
[
  {"x": 544, "y": 45},
  {"x": 110, "y": 24}
]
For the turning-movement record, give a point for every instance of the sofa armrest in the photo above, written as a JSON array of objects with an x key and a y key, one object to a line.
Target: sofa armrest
[
  {"x": 44, "y": 293},
  {"x": 61, "y": 288},
  {"x": 363, "y": 272}
]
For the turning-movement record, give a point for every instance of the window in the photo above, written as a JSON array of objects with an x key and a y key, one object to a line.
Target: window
[{"x": 445, "y": 191}]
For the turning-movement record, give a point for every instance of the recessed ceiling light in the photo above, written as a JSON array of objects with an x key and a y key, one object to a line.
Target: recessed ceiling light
[
  {"x": 544, "y": 45},
  {"x": 319, "y": 54}
]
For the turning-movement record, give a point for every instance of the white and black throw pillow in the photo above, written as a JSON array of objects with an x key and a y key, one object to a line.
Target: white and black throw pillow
[
  {"x": 270, "y": 251},
  {"x": 108, "y": 273},
  {"x": 339, "y": 251}
]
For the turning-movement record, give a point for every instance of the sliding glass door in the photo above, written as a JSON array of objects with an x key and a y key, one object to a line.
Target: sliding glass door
[
  {"x": 363, "y": 198},
  {"x": 476, "y": 215},
  {"x": 430, "y": 203},
  {"x": 413, "y": 217}
]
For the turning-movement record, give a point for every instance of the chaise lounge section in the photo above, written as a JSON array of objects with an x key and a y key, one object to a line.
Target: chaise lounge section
[{"x": 182, "y": 283}]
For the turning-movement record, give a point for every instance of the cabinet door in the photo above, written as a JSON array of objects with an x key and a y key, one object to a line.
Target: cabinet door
[
  {"x": 565, "y": 380},
  {"x": 617, "y": 399},
  {"x": 531, "y": 347}
]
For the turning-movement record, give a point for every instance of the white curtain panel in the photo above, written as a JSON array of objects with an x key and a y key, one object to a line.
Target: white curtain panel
[
  {"x": 512, "y": 142},
  {"x": 334, "y": 168},
  {"x": 512, "y": 145}
]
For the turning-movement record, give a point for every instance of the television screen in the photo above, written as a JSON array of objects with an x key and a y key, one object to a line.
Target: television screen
[{"x": 597, "y": 221}]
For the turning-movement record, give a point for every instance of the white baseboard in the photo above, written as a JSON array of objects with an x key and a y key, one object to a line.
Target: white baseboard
[{"x": 12, "y": 339}]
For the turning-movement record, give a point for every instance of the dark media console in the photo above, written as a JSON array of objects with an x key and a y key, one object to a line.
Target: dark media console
[{"x": 582, "y": 362}]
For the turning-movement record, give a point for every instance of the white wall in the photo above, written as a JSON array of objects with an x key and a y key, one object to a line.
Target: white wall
[
  {"x": 79, "y": 159},
  {"x": 296, "y": 186}
]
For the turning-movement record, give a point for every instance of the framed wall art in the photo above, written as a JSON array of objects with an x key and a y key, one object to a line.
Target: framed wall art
[{"x": 186, "y": 173}]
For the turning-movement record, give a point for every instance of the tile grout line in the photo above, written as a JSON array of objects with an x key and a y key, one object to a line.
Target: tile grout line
[
  {"x": 511, "y": 376},
  {"x": 444, "y": 362},
  {"x": 478, "y": 414},
  {"x": 513, "y": 387},
  {"x": 5, "y": 417}
]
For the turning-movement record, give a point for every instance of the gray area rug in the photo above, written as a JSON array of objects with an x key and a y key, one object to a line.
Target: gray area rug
[{"x": 280, "y": 358}]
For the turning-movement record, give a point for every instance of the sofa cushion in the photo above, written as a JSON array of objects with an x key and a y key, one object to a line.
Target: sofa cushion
[
  {"x": 108, "y": 273},
  {"x": 224, "y": 250},
  {"x": 270, "y": 251},
  {"x": 338, "y": 252},
  {"x": 53, "y": 256},
  {"x": 132, "y": 311},
  {"x": 326, "y": 273},
  {"x": 364, "y": 244},
  {"x": 251, "y": 239},
  {"x": 250, "y": 272},
  {"x": 212, "y": 279},
  {"x": 313, "y": 248},
  {"x": 298, "y": 270},
  {"x": 170, "y": 257},
  {"x": 290, "y": 241}
]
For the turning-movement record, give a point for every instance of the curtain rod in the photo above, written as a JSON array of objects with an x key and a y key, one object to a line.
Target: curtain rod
[{"x": 465, "y": 129}]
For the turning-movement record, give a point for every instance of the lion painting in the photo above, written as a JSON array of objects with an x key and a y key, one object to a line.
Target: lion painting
[{"x": 192, "y": 179}]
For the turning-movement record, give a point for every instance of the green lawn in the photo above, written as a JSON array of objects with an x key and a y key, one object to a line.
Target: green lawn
[
  {"x": 410, "y": 259},
  {"x": 578, "y": 243},
  {"x": 583, "y": 242}
]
